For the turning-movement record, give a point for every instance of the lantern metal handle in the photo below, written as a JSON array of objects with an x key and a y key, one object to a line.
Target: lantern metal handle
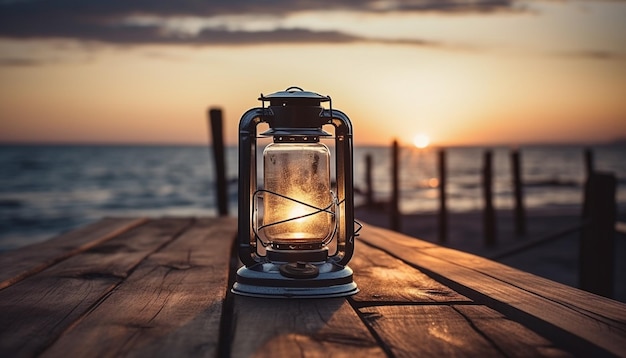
[
  {"x": 344, "y": 173},
  {"x": 247, "y": 142}
]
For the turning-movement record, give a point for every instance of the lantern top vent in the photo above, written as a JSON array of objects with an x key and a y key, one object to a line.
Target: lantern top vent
[{"x": 294, "y": 96}]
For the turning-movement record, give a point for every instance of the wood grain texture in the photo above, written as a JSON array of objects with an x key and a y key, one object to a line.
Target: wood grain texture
[
  {"x": 384, "y": 279},
  {"x": 383, "y": 237},
  {"x": 600, "y": 308},
  {"x": 573, "y": 317},
  {"x": 427, "y": 331},
  {"x": 18, "y": 264},
  {"x": 300, "y": 328},
  {"x": 38, "y": 309},
  {"x": 509, "y": 336},
  {"x": 454, "y": 331},
  {"x": 169, "y": 306},
  {"x": 160, "y": 288}
]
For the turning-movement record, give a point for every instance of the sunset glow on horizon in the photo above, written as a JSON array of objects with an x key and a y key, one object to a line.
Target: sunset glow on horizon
[
  {"x": 519, "y": 72},
  {"x": 421, "y": 140}
]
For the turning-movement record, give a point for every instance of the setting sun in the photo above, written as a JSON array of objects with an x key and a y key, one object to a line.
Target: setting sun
[{"x": 421, "y": 140}]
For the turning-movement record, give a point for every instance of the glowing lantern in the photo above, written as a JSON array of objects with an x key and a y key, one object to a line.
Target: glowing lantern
[{"x": 296, "y": 231}]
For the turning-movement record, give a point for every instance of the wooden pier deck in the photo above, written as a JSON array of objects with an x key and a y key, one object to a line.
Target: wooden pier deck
[{"x": 160, "y": 287}]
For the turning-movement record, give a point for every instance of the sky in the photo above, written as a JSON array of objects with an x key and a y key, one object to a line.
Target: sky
[{"x": 459, "y": 72}]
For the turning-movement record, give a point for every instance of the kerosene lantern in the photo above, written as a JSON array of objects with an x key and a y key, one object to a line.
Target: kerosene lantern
[{"x": 296, "y": 230}]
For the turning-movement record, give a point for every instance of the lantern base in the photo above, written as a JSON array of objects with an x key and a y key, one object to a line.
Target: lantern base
[{"x": 266, "y": 280}]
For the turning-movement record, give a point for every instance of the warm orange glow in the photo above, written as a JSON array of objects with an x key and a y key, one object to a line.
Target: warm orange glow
[
  {"x": 302, "y": 222},
  {"x": 298, "y": 212}
]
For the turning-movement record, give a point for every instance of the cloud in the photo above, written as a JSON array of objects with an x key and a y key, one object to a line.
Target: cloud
[
  {"x": 19, "y": 62},
  {"x": 106, "y": 20},
  {"x": 274, "y": 36},
  {"x": 592, "y": 55}
]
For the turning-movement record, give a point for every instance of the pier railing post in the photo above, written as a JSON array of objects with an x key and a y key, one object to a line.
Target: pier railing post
[
  {"x": 489, "y": 215},
  {"x": 588, "y": 162},
  {"x": 519, "y": 211},
  {"x": 217, "y": 136},
  {"x": 589, "y": 168},
  {"x": 369, "y": 189},
  {"x": 395, "y": 190},
  {"x": 443, "y": 210},
  {"x": 597, "y": 259}
]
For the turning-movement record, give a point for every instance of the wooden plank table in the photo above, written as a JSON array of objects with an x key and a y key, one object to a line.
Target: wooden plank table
[{"x": 160, "y": 287}]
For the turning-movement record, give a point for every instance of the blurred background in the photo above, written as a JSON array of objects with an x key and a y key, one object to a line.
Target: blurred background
[{"x": 103, "y": 104}]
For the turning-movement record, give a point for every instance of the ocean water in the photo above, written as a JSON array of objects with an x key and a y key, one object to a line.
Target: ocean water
[{"x": 47, "y": 190}]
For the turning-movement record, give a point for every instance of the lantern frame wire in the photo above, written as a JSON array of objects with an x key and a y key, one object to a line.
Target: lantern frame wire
[
  {"x": 334, "y": 213},
  {"x": 335, "y": 203}
]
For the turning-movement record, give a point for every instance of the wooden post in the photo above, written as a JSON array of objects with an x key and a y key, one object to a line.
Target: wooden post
[
  {"x": 369, "y": 189},
  {"x": 597, "y": 241},
  {"x": 489, "y": 216},
  {"x": 217, "y": 136},
  {"x": 519, "y": 211},
  {"x": 588, "y": 162},
  {"x": 443, "y": 211},
  {"x": 395, "y": 191},
  {"x": 589, "y": 169}
]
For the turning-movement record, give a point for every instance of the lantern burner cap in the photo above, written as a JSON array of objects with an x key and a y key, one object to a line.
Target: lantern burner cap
[
  {"x": 294, "y": 95},
  {"x": 299, "y": 270}
]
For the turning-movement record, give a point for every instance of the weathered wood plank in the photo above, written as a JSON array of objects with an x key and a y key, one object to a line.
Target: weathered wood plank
[
  {"x": 382, "y": 237},
  {"x": 36, "y": 310},
  {"x": 452, "y": 331},
  {"x": 435, "y": 331},
  {"x": 159, "y": 290},
  {"x": 559, "y": 318},
  {"x": 509, "y": 336},
  {"x": 385, "y": 279},
  {"x": 169, "y": 306},
  {"x": 18, "y": 264},
  {"x": 601, "y": 308},
  {"x": 300, "y": 327}
]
